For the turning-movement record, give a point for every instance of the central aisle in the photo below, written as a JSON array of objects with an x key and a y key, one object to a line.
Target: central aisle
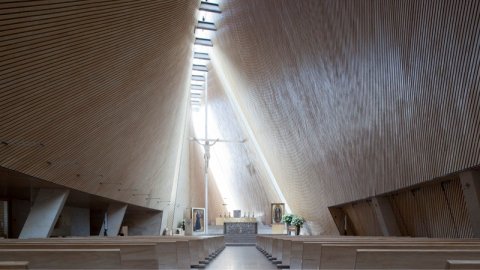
[{"x": 240, "y": 257}]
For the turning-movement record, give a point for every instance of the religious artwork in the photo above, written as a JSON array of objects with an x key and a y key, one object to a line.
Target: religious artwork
[
  {"x": 198, "y": 220},
  {"x": 278, "y": 210}
]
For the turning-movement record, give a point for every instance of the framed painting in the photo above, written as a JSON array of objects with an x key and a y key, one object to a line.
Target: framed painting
[
  {"x": 278, "y": 209},
  {"x": 198, "y": 220}
]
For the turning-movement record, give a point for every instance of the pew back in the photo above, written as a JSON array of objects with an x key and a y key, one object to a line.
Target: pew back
[{"x": 411, "y": 258}]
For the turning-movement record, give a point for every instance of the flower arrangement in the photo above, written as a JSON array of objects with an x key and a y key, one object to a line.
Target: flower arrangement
[
  {"x": 298, "y": 221},
  {"x": 287, "y": 218}
]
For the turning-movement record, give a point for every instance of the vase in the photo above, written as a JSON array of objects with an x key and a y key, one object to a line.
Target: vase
[{"x": 298, "y": 230}]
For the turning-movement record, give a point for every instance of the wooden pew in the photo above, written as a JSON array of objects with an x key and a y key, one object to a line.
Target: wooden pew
[
  {"x": 305, "y": 252},
  {"x": 342, "y": 255},
  {"x": 202, "y": 249},
  {"x": 138, "y": 252},
  {"x": 411, "y": 258},
  {"x": 64, "y": 258},
  {"x": 7, "y": 265},
  {"x": 463, "y": 264},
  {"x": 280, "y": 249},
  {"x": 133, "y": 255}
]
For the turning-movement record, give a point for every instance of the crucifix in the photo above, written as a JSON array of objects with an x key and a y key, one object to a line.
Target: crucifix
[{"x": 207, "y": 143}]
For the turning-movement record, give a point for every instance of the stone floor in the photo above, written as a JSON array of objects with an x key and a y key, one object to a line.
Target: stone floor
[{"x": 242, "y": 257}]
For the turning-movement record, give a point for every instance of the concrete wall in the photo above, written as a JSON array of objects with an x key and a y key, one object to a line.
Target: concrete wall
[
  {"x": 143, "y": 223},
  {"x": 73, "y": 221}
]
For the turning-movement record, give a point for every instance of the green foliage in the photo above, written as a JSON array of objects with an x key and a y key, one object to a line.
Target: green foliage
[
  {"x": 298, "y": 221},
  {"x": 293, "y": 219},
  {"x": 287, "y": 218}
]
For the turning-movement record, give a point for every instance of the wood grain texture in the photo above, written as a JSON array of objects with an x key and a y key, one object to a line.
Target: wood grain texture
[
  {"x": 95, "y": 91},
  {"x": 436, "y": 210},
  {"x": 349, "y": 99}
]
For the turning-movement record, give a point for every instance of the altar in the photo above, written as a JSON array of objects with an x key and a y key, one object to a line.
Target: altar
[
  {"x": 240, "y": 228},
  {"x": 219, "y": 221}
]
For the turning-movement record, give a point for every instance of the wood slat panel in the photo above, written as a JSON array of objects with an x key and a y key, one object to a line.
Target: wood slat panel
[
  {"x": 96, "y": 91},
  {"x": 349, "y": 99},
  {"x": 434, "y": 210}
]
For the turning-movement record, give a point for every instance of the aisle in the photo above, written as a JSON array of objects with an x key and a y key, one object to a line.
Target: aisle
[{"x": 240, "y": 257}]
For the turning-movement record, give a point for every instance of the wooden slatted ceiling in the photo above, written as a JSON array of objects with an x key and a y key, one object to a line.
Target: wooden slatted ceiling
[
  {"x": 349, "y": 99},
  {"x": 95, "y": 91}
]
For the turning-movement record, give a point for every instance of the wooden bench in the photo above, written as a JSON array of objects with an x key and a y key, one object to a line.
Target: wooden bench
[
  {"x": 308, "y": 253},
  {"x": 64, "y": 258},
  {"x": 411, "y": 258},
  {"x": 201, "y": 250},
  {"x": 137, "y": 252},
  {"x": 342, "y": 256},
  {"x": 463, "y": 264},
  {"x": 7, "y": 265},
  {"x": 340, "y": 253},
  {"x": 139, "y": 255}
]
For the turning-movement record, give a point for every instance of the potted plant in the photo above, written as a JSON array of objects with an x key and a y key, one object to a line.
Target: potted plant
[
  {"x": 287, "y": 219},
  {"x": 298, "y": 221}
]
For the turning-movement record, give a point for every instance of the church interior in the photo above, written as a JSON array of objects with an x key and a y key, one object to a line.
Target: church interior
[{"x": 252, "y": 134}]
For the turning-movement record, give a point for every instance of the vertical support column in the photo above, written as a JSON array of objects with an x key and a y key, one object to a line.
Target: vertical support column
[
  {"x": 113, "y": 219},
  {"x": 385, "y": 216},
  {"x": 44, "y": 213},
  {"x": 471, "y": 192}
]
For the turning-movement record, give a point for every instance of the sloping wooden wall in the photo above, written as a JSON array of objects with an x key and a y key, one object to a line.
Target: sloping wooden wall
[
  {"x": 434, "y": 209},
  {"x": 93, "y": 93},
  {"x": 349, "y": 99}
]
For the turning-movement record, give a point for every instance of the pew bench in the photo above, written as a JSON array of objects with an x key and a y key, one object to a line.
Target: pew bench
[
  {"x": 463, "y": 264},
  {"x": 64, "y": 258},
  {"x": 411, "y": 258},
  {"x": 307, "y": 253},
  {"x": 8, "y": 265},
  {"x": 342, "y": 256},
  {"x": 138, "y": 252}
]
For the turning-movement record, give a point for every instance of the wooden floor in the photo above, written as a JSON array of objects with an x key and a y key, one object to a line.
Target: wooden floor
[{"x": 240, "y": 257}]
